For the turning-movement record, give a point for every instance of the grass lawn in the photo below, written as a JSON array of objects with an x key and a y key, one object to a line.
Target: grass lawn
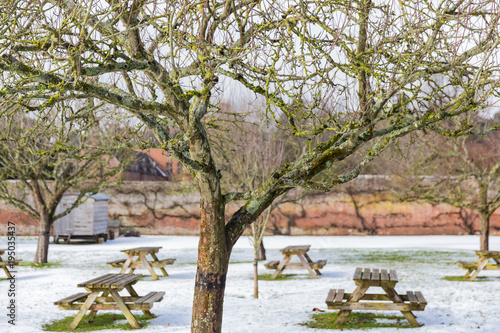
[{"x": 101, "y": 322}]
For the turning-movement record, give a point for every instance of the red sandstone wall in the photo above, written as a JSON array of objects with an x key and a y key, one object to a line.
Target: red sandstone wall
[{"x": 173, "y": 208}]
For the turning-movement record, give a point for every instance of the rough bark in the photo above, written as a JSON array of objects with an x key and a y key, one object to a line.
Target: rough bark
[
  {"x": 484, "y": 231},
  {"x": 42, "y": 250},
  {"x": 213, "y": 258}
]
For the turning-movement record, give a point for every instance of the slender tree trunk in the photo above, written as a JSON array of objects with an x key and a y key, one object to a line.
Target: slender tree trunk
[
  {"x": 484, "y": 215},
  {"x": 484, "y": 231},
  {"x": 42, "y": 250},
  {"x": 255, "y": 278},
  {"x": 213, "y": 259}
]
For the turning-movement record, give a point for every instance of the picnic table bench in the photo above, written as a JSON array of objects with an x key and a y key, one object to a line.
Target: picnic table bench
[
  {"x": 139, "y": 254},
  {"x": 390, "y": 300},
  {"x": 110, "y": 284},
  {"x": 481, "y": 263},
  {"x": 305, "y": 262},
  {"x": 6, "y": 264}
]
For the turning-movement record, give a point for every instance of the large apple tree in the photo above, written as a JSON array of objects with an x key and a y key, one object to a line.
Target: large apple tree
[{"x": 337, "y": 74}]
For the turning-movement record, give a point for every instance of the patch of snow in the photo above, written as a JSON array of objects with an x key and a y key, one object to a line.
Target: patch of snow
[{"x": 421, "y": 263}]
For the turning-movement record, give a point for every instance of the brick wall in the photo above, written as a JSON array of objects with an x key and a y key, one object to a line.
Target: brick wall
[{"x": 364, "y": 206}]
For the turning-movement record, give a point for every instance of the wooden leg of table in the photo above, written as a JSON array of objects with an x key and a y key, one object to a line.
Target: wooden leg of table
[
  {"x": 479, "y": 268},
  {"x": 92, "y": 313},
  {"x": 7, "y": 273},
  {"x": 126, "y": 264},
  {"x": 393, "y": 295},
  {"x": 307, "y": 266},
  {"x": 356, "y": 295},
  {"x": 161, "y": 268},
  {"x": 280, "y": 267},
  {"x": 132, "y": 292},
  {"x": 83, "y": 309},
  {"x": 6, "y": 270},
  {"x": 309, "y": 261},
  {"x": 146, "y": 264},
  {"x": 122, "y": 306}
]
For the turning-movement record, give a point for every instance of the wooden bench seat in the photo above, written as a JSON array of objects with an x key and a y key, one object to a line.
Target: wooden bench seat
[
  {"x": 146, "y": 302},
  {"x": 75, "y": 302},
  {"x": 466, "y": 264},
  {"x": 10, "y": 263},
  {"x": 162, "y": 263},
  {"x": 412, "y": 301},
  {"x": 116, "y": 263},
  {"x": 473, "y": 265},
  {"x": 318, "y": 264},
  {"x": 295, "y": 265},
  {"x": 272, "y": 264},
  {"x": 134, "y": 264},
  {"x": 72, "y": 299}
]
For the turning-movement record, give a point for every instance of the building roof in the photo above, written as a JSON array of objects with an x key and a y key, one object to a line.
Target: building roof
[
  {"x": 160, "y": 156},
  {"x": 100, "y": 196},
  {"x": 145, "y": 164}
]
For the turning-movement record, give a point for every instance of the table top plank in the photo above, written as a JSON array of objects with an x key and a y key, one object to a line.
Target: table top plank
[
  {"x": 129, "y": 280},
  {"x": 393, "y": 277},
  {"x": 375, "y": 274},
  {"x": 111, "y": 281},
  {"x": 293, "y": 249},
  {"x": 412, "y": 298},
  {"x": 357, "y": 273},
  {"x": 384, "y": 277},
  {"x": 420, "y": 297},
  {"x": 339, "y": 297},
  {"x": 95, "y": 279},
  {"x": 144, "y": 249},
  {"x": 366, "y": 274}
]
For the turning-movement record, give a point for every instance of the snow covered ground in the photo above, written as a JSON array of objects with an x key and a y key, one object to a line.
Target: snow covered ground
[{"x": 421, "y": 263}]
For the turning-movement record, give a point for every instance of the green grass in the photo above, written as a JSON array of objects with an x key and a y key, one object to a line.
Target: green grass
[
  {"x": 267, "y": 277},
  {"x": 357, "y": 320},
  {"x": 463, "y": 279},
  {"x": 241, "y": 262},
  {"x": 101, "y": 322},
  {"x": 398, "y": 256},
  {"x": 46, "y": 265}
]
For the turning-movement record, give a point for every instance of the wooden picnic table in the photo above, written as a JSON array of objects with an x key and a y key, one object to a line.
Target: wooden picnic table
[
  {"x": 391, "y": 300},
  {"x": 481, "y": 263},
  {"x": 110, "y": 284},
  {"x": 5, "y": 264},
  {"x": 139, "y": 254},
  {"x": 305, "y": 262}
]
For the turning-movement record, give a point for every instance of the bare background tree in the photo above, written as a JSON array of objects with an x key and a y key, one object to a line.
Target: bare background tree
[
  {"x": 337, "y": 75},
  {"x": 462, "y": 172},
  {"x": 44, "y": 155},
  {"x": 248, "y": 154}
]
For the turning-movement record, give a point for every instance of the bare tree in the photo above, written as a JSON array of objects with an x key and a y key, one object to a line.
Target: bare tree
[
  {"x": 41, "y": 158},
  {"x": 256, "y": 151},
  {"x": 462, "y": 172},
  {"x": 336, "y": 74}
]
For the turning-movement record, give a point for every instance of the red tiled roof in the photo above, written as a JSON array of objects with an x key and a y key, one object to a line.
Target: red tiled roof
[{"x": 160, "y": 156}]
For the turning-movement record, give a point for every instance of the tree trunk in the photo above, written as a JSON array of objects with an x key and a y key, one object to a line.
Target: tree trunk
[
  {"x": 255, "y": 278},
  {"x": 42, "y": 250},
  {"x": 484, "y": 229},
  {"x": 213, "y": 260}
]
